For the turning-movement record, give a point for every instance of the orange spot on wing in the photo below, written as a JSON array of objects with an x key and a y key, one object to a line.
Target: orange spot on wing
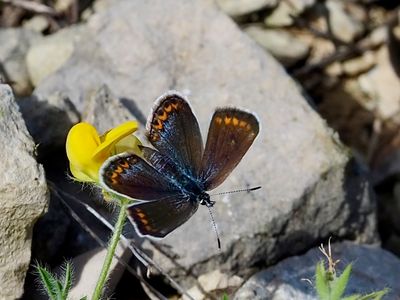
[
  {"x": 235, "y": 121},
  {"x": 168, "y": 108},
  {"x": 154, "y": 137},
  {"x": 119, "y": 169},
  {"x": 175, "y": 105},
  {"x": 159, "y": 125},
  {"x": 164, "y": 116},
  {"x": 242, "y": 123},
  {"x": 218, "y": 120},
  {"x": 227, "y": 120},
  {"x": 141, "y": 215},
  {"x": 114, "y": 175},
  {"x": 148, "y": 228},
  {"x": 125, "y": 165},
  {"x": 144, "y": 221},
  {"x": 248, "y": 127}
]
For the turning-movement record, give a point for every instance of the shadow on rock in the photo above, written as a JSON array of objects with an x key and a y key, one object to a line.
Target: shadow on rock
[{"x": 48, "y": 121}]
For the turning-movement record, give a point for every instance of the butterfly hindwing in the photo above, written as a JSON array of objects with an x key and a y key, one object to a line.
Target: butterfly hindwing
[
  {"x": 131, "y": 176},
  {"x": 231, "y": 133},
  {"x": 160, "y": 217},
  {"x": 173, "y": 130}
]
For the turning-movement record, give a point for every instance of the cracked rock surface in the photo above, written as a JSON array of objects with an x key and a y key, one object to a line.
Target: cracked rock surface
[
  {"x": 311, "y": 188},
  {"x": 23, "y": 196}
]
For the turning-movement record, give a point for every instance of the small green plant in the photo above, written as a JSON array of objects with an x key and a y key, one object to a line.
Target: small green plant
[
  {"x": 225, "y": 297},
  {"x": 56, "y": 287},
  {"x": 330, "y": 286}
]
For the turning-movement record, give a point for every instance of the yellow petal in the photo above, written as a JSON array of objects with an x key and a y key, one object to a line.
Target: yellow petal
[
  {"x": 110, "y": 138},
  {"x": 128, "y": 144},
  {"x": 82, "y": 142},
  {"x": 80, "y": 175}
]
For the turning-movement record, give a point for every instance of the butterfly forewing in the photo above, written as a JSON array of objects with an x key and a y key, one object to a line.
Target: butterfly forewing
[
  {"x": 158, "y": 218},
  {"x": 172, "y": 178},
  {"x": 131, "y": 176},
  {"x": 231, "y": 133},
  {"x": 173, "y": 130}
]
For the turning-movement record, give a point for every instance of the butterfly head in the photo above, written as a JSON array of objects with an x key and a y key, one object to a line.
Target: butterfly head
[{"x": 204, "y": 199}]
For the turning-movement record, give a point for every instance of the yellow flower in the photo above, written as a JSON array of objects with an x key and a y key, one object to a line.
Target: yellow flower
[{"x": 87, "y": 150}]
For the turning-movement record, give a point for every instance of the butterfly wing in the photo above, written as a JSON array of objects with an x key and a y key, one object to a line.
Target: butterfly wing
[
  {"x": 162, "y": 164},
  {"x": 165, "y": 207},
  {"x": 173, "y": 130},
  {"x": 131, "y": 176},
  {"x": 160, "y": 217},
  {"x": 231, "y": 133}
]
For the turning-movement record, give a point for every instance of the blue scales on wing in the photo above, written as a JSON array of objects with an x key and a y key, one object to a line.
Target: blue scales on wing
[
  {"x": 131, "y": 176},
  {"x": 174, "y": 131}
]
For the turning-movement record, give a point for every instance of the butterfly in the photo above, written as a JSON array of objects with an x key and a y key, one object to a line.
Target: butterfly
[{"x": 170, "y": 180}]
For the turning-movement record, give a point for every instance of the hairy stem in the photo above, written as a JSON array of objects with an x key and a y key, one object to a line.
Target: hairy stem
[{"x": 111, "y": 251}]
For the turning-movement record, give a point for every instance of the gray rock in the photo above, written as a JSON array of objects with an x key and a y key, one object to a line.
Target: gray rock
[
  {"x": 360, "y": 64},
  {"x": 90, "y": 263},
  {"x": 15, "y": 43},
  {"x": 98, "y": 6},
  {"x": 99, "y": 105},
  {"x": 380, "y": 84},
  {"x": 310, "y": 187},
  {"x": 285, "y": 12},
  {"x": 214, "y": 282},
  {"x": 237, "y": 8},
  {"x": 344, "y": 26},
  {"x": 38, "y": 23},
  {"x": 373, "y": 269},
  {"x": 23, "y": 196},
  {"x": 50, "y": 53},
  {"x": 49, "y": 120},
  {"x": 283, "y": 45}
]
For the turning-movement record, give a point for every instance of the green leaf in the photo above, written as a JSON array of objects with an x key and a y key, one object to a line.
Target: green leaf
[
  {"x": 375, "y": 295},
  {"x": 59, "y": 290},
  {"x": 67, "y": 280},
  {"x": 83, "y": 298},
  {"x": 339, "y": 285},
  {"x": 352, "y": 297},
  {"x": 48, "y": 281},
  {"x": 225, "y": 297},
  {"x": 321, "y": 282},
  {"x": 56, "y": 289}
]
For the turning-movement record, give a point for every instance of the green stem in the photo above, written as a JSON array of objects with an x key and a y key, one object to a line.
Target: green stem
[{"x": 111, "y": 251}]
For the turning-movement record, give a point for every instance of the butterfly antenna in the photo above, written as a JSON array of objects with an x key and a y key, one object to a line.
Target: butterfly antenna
[
  {"x": 239, "y": 191},
  {"x": 215, "y": 227}
]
